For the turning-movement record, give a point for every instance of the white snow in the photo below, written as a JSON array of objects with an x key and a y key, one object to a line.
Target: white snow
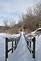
[
  {"x": 2, "y": 49},
  {"x": 9, "y": 35}
]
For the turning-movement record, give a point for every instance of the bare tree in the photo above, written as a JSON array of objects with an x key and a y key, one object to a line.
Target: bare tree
[
  {"x": 37, "y": 9},
  {"x": 30, "y": 20},
  {"x": 12, "y": 23}
]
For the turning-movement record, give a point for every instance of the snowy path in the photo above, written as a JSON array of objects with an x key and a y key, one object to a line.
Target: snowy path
[{"x": 21, "y": 53}]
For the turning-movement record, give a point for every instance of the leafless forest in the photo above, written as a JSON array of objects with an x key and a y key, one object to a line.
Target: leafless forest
[{"x": 28, "y": 22}]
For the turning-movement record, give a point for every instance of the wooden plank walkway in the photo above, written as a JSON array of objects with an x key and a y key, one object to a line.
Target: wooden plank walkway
[{"x": 21, "y": 53}]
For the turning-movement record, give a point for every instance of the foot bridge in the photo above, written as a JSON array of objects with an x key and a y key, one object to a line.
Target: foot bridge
[{"x": 22, "y": 50}]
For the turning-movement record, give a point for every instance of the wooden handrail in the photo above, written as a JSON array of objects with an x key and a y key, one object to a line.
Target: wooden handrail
[
  {"x": 16, "y": 40},
  {"x": 29, "y": 42}
]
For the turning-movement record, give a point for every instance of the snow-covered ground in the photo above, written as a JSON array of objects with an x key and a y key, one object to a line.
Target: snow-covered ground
[{"x": 22, "y": 54}]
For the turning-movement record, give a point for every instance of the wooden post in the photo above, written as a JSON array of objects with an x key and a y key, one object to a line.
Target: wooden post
[
  {"x": 15, "y": 44},
  {"x": 34, "y": 47},
  {"x": 6, "y": 49},
  {"x": 30, "y": 44},
  {"x": 12, "y": 46},
  {"x": 27, "y": 43}
]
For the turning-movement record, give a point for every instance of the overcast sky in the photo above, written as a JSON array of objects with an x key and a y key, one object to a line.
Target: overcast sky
[{"x": 12, "y": 9}]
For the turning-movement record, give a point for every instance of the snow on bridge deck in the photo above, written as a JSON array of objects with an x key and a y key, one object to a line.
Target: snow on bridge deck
[{"x": 21, "y": 53}]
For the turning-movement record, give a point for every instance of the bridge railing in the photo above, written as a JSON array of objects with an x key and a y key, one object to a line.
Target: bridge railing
[
  {"x": 16, "y": 40},
  {"x": 31, "y": 43}
]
